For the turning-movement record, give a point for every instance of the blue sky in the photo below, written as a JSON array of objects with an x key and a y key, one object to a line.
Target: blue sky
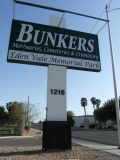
[{"x": 18, "y": 81}]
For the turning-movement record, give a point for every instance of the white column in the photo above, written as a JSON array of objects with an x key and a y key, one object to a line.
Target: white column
[
  {"x": 56, "y": 89},
  {"x": 56, "y": 94}
]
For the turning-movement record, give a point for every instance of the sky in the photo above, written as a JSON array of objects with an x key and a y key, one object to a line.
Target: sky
[{"x": 18, "y": 81}]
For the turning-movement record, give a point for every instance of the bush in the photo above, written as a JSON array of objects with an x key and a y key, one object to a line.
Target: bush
[
  {"x": 92, "y": 126},
  {"x": 81, "y": 126},
  {"x": 110, "y": 127},
  {"x": 106, "y": 112}
]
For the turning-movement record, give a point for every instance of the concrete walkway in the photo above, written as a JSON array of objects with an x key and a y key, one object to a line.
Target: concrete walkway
[
  {"x": 15, "y": 137},
  {"x": 102, "y": 147}
]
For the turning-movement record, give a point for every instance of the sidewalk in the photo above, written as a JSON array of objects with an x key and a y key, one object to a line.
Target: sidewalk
[
  {"x": 16, "y": 137},
  {"x": 102, "y": 147}
]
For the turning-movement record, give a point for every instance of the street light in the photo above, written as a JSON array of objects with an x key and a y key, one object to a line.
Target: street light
[{"x": 114, "y": 79}]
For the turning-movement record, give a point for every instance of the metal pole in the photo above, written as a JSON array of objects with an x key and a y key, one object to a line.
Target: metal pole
[
  {"x": 28, "y": 107},
  {"x": 114, "y": 80},
  {"x": 85, "y": 111}
]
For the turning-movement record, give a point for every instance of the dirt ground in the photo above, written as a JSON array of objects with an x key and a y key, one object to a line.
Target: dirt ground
[{"x": 35, "y": 153}]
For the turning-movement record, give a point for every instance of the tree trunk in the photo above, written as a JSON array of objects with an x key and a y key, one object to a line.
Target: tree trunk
[
  {"x": 93, "y": 114},
  {"x": 85, "y": 111}
]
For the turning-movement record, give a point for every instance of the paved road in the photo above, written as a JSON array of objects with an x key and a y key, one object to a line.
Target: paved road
[
  {"x": 37, "y": 126},
  {"x": 101, "y": 136},
  {"x": 105, "y": 137},
  {"x": 21, "y": 142}
]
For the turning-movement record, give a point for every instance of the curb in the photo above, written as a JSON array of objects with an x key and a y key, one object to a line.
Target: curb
[{"x": 9, "y": 137}]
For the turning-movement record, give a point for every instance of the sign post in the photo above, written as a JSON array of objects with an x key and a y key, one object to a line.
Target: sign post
[
  {"x": 56, "y": 131},
  {"x": 59, "y": 49},
  {"x": 114, "y": 80}
]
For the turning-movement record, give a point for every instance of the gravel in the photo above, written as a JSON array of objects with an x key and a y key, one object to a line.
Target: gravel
[{"x": 35, "y": 153}]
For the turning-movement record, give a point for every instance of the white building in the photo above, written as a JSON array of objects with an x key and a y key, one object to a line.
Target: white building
[{"x": 79, "y": 120}]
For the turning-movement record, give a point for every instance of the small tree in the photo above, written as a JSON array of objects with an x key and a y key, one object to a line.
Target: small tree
[
  {"x": 96, "y": 104},
  {"x": 70, "y": 119},
  {"x": 110, "y": 110},
  {"x": 106, "y": 112},
  {"x": 93, "y": 101},
  {"x": 31, "y": 113},
  {"x": 4, "y": 118},
  {"x": 15, "y": 111},
  {"x": 99, "y": 116}
]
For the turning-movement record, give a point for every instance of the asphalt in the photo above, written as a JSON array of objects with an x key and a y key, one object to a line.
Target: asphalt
[
  {"x": 109, "y": 137},
  {"x": 20, "y": 141}
]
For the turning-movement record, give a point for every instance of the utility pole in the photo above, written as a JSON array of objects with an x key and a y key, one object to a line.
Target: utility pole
[
  {"x": 28, "y": 105},
  {"x": 114, "y": 79}
]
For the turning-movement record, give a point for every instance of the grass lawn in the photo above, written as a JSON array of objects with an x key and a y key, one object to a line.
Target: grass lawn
[
  {"x": 9, "y": 130},
  {"x": 13, "y": 130}
]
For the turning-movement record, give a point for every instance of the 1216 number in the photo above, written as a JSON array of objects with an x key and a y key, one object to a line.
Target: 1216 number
[{"x": 57, "y": 91}]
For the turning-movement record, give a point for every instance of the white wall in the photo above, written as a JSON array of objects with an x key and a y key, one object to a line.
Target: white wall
[{"x": 79, "y": 120}]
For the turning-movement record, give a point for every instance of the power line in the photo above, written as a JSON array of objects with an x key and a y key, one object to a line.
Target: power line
[
  {"x": 108, "y": 4},
  {"x": 102, "y": 28},
  {"x": 61, "y": 20},
  {"x": 114, "y": 9},
  {"x": 58, "y": 10},
  {"x": 97, "y": 21},
  {"x": 106, "y": 23}
]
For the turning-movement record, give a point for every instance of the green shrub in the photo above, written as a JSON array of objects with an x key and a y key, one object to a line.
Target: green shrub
[
  {"x": 92, "y": 126},
  {"x": 81, "y": 126}
]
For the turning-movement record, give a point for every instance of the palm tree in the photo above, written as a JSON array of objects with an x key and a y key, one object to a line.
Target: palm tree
[
  {"x": 93, "y": 101},
  {"x": 84, "y": 104},
  {"x": 98, "y": 101}
]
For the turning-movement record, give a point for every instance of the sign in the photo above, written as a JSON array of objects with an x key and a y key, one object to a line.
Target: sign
[{"x": 39, "y": 44}]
